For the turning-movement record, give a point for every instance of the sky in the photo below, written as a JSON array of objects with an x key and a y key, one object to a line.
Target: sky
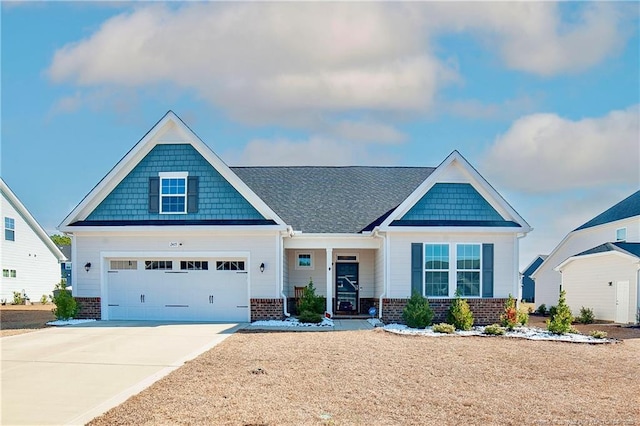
[{"x": 541, "y": 98}]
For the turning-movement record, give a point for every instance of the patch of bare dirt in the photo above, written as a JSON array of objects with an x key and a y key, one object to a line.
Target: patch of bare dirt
[
  {"x": 19, "y": 319},
  {"x": 379, "y": 378}
]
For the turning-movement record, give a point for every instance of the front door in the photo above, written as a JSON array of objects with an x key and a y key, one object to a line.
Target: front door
[{"x": 347, "y": 287}]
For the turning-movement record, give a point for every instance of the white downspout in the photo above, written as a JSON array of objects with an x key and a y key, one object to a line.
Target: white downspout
[
  {"x": 281, "y": 277},
  {"x": 517, "y": 288},
  {"x": 384, "y": 271}
]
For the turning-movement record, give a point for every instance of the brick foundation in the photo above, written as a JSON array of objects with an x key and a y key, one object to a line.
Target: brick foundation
[
  {"x": 485, "y": 311},
  {"x": 266, "y": 309},
  {"x": 89, "y": 308}
]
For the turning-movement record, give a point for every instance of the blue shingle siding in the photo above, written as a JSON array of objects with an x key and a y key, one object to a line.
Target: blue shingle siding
[
  {"x": 217, "y": 199},
  {"x": 452, "y": 202}
]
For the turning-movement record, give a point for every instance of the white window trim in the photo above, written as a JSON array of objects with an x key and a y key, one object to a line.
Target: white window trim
[
  {"x": 356, "y": 260},
  {"x": 304, "y": 268},
  {"x": 625, "y": 234},
  {"x": 455, "y": 270},
  {"x": 9, "y": 229},
  {"x": 173, "y": 175},
  {"x": 425, "y": 270}
]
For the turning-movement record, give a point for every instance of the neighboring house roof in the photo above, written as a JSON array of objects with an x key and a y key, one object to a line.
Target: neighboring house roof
[
  {"x": 333, "y": 199},
  {"x": 30, "y": 220},
  {"x": 66, "y": 250},
  {"x": 625, "y": 249},
  {"x": 628, "y": 207},
  {"x": 535, "y": 264}
]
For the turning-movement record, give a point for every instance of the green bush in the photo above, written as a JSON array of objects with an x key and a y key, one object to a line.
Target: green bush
[
  {"x": 417, "y": 313},
  {"x": 310, "y": 301},
  {"x": 586, "y": 316},
  {"x": 310, "y": 317},
  {"x": 560, "y": 322},
  {"x": 552, "y": 311},
  {"x": 542, "y": 309},
  {"x": 509, "y": 318},
  {"x": 494, "y": 330},
  {"x": 523, "y": 318},
  {"x": 18, "y": 298},
  {"x": 443, "y": 327},
  {"x": 44, "y": 299},
  {"x": 66, "y": 306},
  {"x": 460, "y": 315},
  {"x": 598, "y": 334}
]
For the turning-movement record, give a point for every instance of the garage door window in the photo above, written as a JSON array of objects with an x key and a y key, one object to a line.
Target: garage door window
[
  {"x": 158, "y": 265},
  {"x": 194, "y": 265},
  {"x": 123, "y": 264},
  {"x": 231, "y": 265}
]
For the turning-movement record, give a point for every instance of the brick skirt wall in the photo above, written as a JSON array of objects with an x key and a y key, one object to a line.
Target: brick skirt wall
[
  {"x": 485, "y": 311},
  {"x": 266, "y": 309},
  {"x": 89, "y": 308}
]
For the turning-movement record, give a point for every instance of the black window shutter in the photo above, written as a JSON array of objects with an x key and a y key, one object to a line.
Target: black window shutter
[
  {"x": 154, "y": 194},
  {"x": 487, "y": 270},
  {"x": 192, "y": 194},
  {"x": 416, "y": 268}
]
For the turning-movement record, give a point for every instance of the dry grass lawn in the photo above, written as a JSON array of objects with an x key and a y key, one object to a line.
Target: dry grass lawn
[
  {"x": 378, "y": 378},
  {"x": 19, "y": 319}
]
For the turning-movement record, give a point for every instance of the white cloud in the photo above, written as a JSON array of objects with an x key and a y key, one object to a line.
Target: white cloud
[
  {"x": 366, "y": 131},
  {"x": 545, "y": 152}
]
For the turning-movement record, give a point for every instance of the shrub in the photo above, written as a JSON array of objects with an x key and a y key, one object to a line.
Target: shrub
[
  {"x": 66, "y": 305},
  {"x": 523, "y": 318},
  {"x": 310, "y": 317},
  {"x": 460, "y": 315},
  {"x": 560, "y": 322},
  {"x": 19, "y": 298},
  {"x": 542, "y": 309},
  {"x": 310, "y": 301},
  {"x": 494, "y": 330},
  {"x": 44, "y": 299},
  {"x": 417, "y": 313},
  {"x": 552, "y": 311},
  {"x": 443, "y": 327},
  {"x": 598, "y": 334},
  {"x": 509, "y": 318},
  {"x": 586, "y": 316}
]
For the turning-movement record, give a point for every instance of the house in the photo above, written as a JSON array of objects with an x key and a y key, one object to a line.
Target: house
[
  {"x": 173, "y": 233},
  {"x": 528, "y": 285},
  {"x": 592, "y": 253},
  {"x": 605, "y": 279},
  {"x": 30, "y": 260},
  {"x": 65, "y": 267}
]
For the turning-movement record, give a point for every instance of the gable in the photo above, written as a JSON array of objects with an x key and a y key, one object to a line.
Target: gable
[
  {"x": 217, "y": 198},
  {"x": 455, "y": 195}
]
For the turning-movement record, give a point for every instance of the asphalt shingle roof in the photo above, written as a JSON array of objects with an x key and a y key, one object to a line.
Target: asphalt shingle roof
[
  {"x": 630, "y": 248},
  {"x": 628, "y": 207},
  {"x": 332, "y": 199}
]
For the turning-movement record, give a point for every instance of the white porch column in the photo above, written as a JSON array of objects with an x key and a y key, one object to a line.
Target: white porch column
[{"x": 330, "y": 281}]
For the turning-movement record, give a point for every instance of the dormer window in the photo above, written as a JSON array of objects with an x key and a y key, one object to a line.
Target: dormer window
[
  {"x": 621, "y": 234},
  {"x": 173, "y": 193}
]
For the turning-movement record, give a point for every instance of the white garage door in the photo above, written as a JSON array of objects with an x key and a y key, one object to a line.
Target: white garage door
[{"x": 178, "y": 289}]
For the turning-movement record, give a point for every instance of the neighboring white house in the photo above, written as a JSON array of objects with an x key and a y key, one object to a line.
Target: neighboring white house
[
  {"x": 30, "y": 260},
  {"x": 605, "y": 279},
  {"x": 580, "y": 249},
  {"x": 172, "y": 232}
]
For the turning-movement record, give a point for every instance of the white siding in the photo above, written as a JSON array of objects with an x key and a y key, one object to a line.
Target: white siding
[
  {"x": 37, "y": 268},
  {"x": 505, "y": 262},
  {"x": 548, "y": 281},
  {"x": 262, "y": 248},
  {"x": 586, "y": 281},
  {"x": 300, "y": 277}
]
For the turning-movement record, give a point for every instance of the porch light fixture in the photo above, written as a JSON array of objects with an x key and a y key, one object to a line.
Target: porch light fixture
[
  {"x": 262, "y": 267},
  {"x": 87, "y": 266}
]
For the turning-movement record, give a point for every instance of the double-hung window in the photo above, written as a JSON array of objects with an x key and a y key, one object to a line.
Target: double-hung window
[
  {"x": 436, "y": 270},
  {"x": 9, "y": 229},
  {"x": 468, "y": 270},
  {"x": 173, "y": 193}
]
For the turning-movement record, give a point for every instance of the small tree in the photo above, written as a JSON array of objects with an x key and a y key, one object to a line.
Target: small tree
[
  {"x": 61, "y": 240},
  {"x": 460, "y": 315},
  {"x": 509, "y": 318},
  {"x": 417, "y": 313},
  {"x": 560, "y": 322},
  {"x": 66, "y": 306},
  {"x": 310, "y": 301}
]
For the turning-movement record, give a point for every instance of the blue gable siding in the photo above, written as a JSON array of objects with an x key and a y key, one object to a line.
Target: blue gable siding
[
  {"x": 218, "y": 200},
  {"x": 452, "y": 202}
]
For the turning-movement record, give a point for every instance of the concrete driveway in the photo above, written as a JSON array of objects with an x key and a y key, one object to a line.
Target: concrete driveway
[{"x": 69, "y": 375}]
